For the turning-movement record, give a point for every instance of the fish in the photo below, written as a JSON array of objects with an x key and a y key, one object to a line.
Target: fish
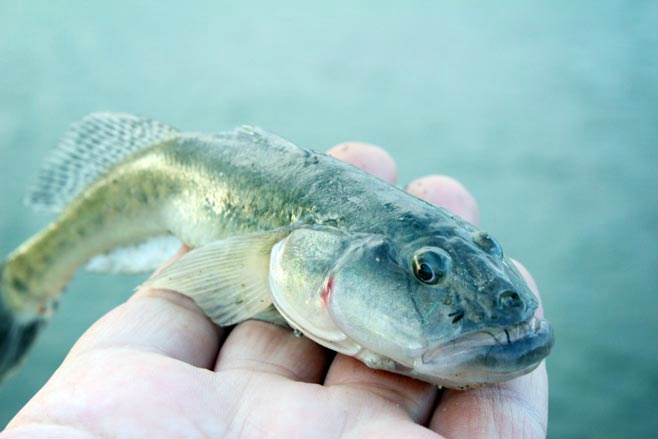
[{"x": 277, "y": 233}]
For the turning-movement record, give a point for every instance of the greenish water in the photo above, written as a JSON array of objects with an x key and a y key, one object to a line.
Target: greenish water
[{"x": 547, "y": 112}]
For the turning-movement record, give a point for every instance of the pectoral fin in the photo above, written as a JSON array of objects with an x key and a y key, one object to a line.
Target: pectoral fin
[{"x": 228, "y": 279}]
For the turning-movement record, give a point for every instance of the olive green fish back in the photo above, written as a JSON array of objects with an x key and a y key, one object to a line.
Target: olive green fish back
[{"x": 88, "y": 149}]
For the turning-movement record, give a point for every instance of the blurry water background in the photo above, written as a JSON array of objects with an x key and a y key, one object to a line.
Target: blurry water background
[{"x": 547, "y": 112}]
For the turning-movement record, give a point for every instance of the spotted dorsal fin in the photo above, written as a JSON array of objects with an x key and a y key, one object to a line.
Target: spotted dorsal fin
[{"x": 88, "y": 149}]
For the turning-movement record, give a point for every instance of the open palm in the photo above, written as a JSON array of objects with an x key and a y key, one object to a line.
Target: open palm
[{"x": 157, "y": 367}]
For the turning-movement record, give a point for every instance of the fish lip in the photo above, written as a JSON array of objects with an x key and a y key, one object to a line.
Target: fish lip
[{"x": 499, "y": 353}]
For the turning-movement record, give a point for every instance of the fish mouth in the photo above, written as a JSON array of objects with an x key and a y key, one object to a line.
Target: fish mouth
[{"x": 492, "y": 354}]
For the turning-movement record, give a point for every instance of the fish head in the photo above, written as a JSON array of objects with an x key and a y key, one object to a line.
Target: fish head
[
  {"x": 446, "y": 307},
  {"x": 477, "y": 310}
]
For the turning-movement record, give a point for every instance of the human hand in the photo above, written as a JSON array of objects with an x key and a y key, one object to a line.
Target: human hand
[{"x": 157, "y": 367}]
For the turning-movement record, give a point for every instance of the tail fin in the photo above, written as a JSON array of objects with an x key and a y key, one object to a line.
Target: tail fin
[
  {"x": 32, "y": 277},
  {"x": 17, "y": 334}
]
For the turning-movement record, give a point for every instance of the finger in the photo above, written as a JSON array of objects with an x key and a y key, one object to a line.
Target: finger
[
  {"x": 370, "y": 158},
  {"x": 507, "y": 410},
  {"x": 158, "y": 321},
  {"x": 256, "y": 346},
  {"x": 513, "y": 409},
  {"x": 415, "y": 398},
  {"x": 446, "y": 192}
]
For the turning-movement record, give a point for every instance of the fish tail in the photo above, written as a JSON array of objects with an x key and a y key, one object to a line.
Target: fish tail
[
  {"x": 18, "y": 330},
  {"x": 33, "y": 277}
]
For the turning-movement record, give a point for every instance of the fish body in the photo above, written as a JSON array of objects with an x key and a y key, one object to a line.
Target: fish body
[{"x": 280, "y": 233}]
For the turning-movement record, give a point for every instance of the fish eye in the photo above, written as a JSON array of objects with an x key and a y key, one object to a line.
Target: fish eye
[{"x": 430, "y": 265}]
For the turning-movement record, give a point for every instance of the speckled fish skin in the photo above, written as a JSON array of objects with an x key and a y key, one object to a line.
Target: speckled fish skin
[{"x": 207, "y": 188}]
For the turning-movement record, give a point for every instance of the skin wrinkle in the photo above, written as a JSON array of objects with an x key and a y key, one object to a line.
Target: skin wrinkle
[
  {"x": 278, "y": 346},
  {"x": 165, "y": 300},
  {"x": 410, "y": 394},
  {"x": 413, "y": 407},
  {"x": 392, "y": 389},
  {"x": 342, "y": 429},
  {"x": 56, "y": 417},
  {"x": 160, "y": 381},
  {"x": 171, "y": 297},
  {"x": 502, "y": 396},
  {"x": 282, "y": 411},
  {"x": 31, "y": 418},
  {"x": 352, "y": 420},
  {"x": 502, "y": 403},
  {"x": 265, "y": 367},
  {"x": 233, "y": 415},
  {"x": 380, "y": 425}
]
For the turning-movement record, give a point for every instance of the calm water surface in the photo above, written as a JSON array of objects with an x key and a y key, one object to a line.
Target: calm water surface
[{"x": 548, "y": 114}]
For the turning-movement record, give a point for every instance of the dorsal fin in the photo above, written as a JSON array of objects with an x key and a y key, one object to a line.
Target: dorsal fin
[{"x": 88, "y": 149}]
